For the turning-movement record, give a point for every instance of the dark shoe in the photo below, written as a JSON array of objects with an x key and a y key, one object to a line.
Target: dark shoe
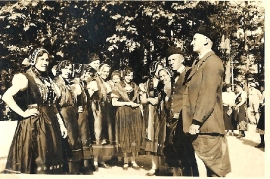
[
  {"x": 95, "y": 168},
  {"x": 104, "y": 165},
  {"x": 169, "y": 172},
  {"x": 125, "y": 166},
  {"x": 261, "y": 145},
  {"x": 151, "y": 173},
  {"x": 239, "y": 136},
  {"x": 135, "y": 166}
]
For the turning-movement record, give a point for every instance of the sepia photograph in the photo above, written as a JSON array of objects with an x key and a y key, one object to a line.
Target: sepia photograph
[{"x": 133, "y": 88}]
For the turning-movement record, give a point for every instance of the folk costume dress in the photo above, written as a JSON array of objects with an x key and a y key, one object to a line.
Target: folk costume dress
[
  {"x": 128, "y": 121},
  {"x": 152, "y": 121},
  {"x": 83, "y": 122},
  {"x": 102, "y": 128},
  {"x": 68, "y": 110},
  {"x": 36, "y": 145}
]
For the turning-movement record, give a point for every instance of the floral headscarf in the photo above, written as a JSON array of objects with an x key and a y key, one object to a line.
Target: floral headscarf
[{"x": 34, "y": 55}]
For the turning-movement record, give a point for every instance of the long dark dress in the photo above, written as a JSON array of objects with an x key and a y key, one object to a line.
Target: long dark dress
[
  {"x": 154, "y": 120},
  {"x": 83, "y": 122},
  {"x": 128, "y": 121},
  {"x": 261, "y": 123},
  {"x": 68, "y": 110},
  {"x": 36, "y": 146},
  {"x": 240, "y": 115}
]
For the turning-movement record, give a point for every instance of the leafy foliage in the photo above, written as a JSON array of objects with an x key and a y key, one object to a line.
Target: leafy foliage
[{"x": 125, "y": 33}]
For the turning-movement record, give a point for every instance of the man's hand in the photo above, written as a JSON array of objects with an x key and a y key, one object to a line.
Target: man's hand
[{"x": 194, "y": 129}]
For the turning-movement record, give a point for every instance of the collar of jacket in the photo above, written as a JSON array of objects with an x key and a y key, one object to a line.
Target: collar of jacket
[{"x": 196, "y": 66}]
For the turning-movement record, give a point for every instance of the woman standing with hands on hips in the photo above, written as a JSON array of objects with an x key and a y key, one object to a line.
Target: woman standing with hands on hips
[{"x": 36, "y": 145}]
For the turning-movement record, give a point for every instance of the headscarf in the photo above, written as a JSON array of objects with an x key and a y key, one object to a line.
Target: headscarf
[
  {"x": 168, "y": 70},
  {"x": 34, "y": 55},
  {"x": 153, "y": 67}
]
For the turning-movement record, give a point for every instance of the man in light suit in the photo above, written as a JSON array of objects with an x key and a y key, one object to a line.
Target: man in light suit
[
  {"x": 184, "y": 153},
  {"x": 202, "y": 105}
]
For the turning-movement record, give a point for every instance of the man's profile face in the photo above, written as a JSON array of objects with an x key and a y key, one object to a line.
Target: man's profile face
[
  {"x": 198, "y": 42},
  {"x": 175, "y": 61}
]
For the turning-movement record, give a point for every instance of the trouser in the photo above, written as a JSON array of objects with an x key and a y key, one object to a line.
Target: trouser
[{"x": 183, "y": 144}]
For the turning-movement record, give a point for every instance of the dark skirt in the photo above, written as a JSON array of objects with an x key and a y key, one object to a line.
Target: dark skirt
[
  {"x": 229, "y": 122},
  {"x": 150, "y": 129},
  {"x": 36, "y": 146},
  {"x": 128, "y": 130},
  {"x": 240, "y": 118},
  {"x": 73, "y": 147},
  {"x": 261, "y": 122},
  {"x": 84, "y": 132}
]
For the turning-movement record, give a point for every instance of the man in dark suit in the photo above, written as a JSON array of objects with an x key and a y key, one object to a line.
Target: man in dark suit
[
  {"x": 181, "y": 142},
  {"x": 202, "y": 106}
]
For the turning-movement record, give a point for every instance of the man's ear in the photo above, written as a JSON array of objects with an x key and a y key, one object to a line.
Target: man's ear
[{"x": 206, "y": 41}]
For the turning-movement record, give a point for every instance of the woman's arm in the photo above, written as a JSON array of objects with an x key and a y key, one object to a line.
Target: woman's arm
[
  {"x": 18, "y": 83},
  {"x": 117, "y": 103}
]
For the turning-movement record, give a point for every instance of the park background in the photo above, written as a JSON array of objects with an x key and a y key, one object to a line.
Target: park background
[{"x": 133, "y": 33}]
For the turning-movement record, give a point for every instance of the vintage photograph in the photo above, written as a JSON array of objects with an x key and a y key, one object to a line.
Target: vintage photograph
[{"x": 132, "y": 88}]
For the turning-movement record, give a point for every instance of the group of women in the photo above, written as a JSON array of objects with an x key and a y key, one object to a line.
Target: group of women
[
  {"x": 66, "y": 120},
  {"x": 234, "y": 111}
]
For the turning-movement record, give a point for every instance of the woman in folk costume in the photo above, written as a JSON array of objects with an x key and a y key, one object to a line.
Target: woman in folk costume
[
  {"x": 150, "y": 100},
  {"x": 128, "y": 119},
  {"x": 36, "y": 146},
  {"x": 69, "y": 111},
  {"x": 167, "y": 125},
  {"x": 240, "y": 110},
  {"x": 81, "y": 78},
  {"x": 99, "y": 92}
]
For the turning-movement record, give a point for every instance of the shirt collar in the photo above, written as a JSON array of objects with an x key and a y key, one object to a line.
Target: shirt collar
[{"x": 181, "y": 69}]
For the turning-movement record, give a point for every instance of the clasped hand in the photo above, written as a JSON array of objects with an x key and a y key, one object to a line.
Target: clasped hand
[{"x": 132, "y": 104}]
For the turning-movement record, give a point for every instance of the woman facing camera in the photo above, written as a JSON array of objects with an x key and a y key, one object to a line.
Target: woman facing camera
[
  {"x": 99, "y": 92},
  {"x": 69, "y": 112},
  {"x": 36, "y": 146},
  {"x": 128, "y": 119}
]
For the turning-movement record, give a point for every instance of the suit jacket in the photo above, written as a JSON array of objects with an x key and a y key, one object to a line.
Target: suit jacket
[
  {"x": 202, "y": 100},
  {"x": 178, "y": 89}
]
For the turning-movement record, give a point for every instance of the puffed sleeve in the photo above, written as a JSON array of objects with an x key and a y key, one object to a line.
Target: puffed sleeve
[
  {"x": 76, "y": 89},
  {"x": 20, "y": 81}
]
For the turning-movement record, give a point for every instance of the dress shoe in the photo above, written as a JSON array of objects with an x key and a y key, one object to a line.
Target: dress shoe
[
  {"x": 152, "y": 172},
  {"x": 261, "y": 145}
]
